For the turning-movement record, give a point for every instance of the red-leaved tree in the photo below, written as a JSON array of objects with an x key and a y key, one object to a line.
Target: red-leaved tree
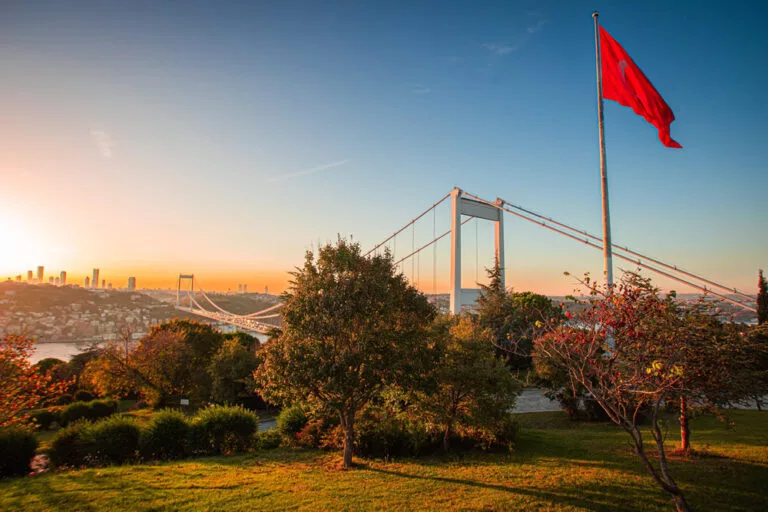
[
  {"x": 627, "y": 350},
  {"x": 22, "y": 387}
]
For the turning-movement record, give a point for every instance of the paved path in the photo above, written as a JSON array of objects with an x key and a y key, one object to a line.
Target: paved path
[{"x": 533, "y": 400}]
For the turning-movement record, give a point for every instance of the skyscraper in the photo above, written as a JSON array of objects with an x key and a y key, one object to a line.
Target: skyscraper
[
  {"x": 30, "y": 275},
  {"x": 50, "y": 280},
  {"x": 103, "y": 283},
  {"x": 95, "y": 279},
  {"x": 87, "y": 283},
  {"x": 131, "y": 283},
  {"x": 63, "y": 278},
  {"x": 245, "y": 288},
  {"x": 40, "y": 273},
  {"x": 239, "y": 288}
]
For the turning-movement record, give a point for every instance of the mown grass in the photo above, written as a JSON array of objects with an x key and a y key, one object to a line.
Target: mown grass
[{"x": 558, "y": 465}]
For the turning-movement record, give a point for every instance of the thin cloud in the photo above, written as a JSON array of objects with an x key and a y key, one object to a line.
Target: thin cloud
[
  {"x": 104, "y": 142},
  {"x": 537, "y": 26},
  {"x": 313, "y": 170},
  {"x": 500, "y": 49},
  {"x": 421, "y": 90}
]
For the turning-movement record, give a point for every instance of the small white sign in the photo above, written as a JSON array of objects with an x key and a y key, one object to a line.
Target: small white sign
[{"x": 185, "y": 401}]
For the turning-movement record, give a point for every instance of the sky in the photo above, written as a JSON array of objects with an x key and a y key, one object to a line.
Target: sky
[{"x": 225, "y": 139}]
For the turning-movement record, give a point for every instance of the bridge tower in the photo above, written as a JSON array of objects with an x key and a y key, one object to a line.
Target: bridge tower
[
  {"x": 464, "y": 206},
  {"x": 191, "y": 278}
]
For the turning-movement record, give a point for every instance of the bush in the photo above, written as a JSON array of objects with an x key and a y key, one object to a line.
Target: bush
[
  {"x": 166, "y": 438},
  {"x": 44, "y": 418},
  {"x": 17, "y": 448},
  {"x": 113, "y": 440},
  {"x": 227, "y": 429},
  {"x": 389, "y": 437},
  {"x": 267, "y": 440},
  {"x": 93, "y": 410},
  {"x": 64, "y": 399},
  {"x": 103, "y": 408},
  {"x": 70, "y": 446},
  {"x": 197, "y": 440},
  {"x": 292, "y": 420},
  {"x": 83, "y": 396},
  {"x": 77, "y": 411}
]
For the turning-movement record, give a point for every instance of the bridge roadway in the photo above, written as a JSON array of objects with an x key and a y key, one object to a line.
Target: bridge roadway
[{"x": 242, "y": 322}]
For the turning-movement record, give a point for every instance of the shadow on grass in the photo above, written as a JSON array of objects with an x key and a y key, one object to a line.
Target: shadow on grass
[{"x": 593, "y": 497}]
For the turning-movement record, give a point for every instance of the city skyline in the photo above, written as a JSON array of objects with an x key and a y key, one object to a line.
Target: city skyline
[{"x": 226, "y": 142}]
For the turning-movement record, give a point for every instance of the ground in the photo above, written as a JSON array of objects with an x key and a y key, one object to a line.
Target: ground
[{"x": 558, "y": 465}]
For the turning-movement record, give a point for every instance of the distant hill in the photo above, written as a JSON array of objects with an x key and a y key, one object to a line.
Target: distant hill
[{"x": 66, "y": 313}]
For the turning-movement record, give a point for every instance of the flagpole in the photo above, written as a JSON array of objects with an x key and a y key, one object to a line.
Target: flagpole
[{"x": 607, "y": 254}]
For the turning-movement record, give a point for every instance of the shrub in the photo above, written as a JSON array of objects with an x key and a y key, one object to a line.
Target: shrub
[
  {"x": 113, "y": 440},
  {"x": 267, "y": 440},
  {"x": 44, "y": 418},
  {"x": 70, "y": 446},
  {"x": 83, "y": 396},
  {"x": 17, "y": 448},
  {"x": 292, "y": 420},
  {"x": 103, "y": 408},
  {"x": 77, "y": 411},
  {"x": 197, "y": 440},
  {"x": 384, "y": 436},
  {"x": 166, "y": 437},
  {"x": 227, "y": 429},
  {"x": 64, "y": 399}
]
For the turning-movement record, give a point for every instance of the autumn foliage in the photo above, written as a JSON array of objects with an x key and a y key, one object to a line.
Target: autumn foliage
[{"x": 22, "y": 387}]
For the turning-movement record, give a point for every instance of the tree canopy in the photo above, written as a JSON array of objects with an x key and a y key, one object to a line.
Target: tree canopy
[{"x": 351, "y": 326}]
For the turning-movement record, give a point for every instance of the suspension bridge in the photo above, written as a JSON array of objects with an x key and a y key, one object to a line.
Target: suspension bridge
[{"x": 465, "y": 207}]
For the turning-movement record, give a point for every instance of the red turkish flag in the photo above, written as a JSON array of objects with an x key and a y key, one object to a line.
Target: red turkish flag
[{"x": 626, "y": 84}]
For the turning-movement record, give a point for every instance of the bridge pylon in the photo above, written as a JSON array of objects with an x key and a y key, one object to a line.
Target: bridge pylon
[
  {"x": 191, "y": 278},
  {"x": 464, "y": 206}
]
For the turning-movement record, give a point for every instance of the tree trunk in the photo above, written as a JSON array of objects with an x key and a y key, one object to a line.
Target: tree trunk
[
  {"x": 446, "y": 437},
  {"x": 685, "y": 430},
  {"x": 348, "y": 424},
  {"x": 668, "y": 482}
]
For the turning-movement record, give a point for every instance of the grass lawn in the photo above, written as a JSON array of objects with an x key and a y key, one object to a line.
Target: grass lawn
[{"x": 558, "y": 465}]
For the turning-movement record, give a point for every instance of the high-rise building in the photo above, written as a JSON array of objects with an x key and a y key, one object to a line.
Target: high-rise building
[
  {"x": 30, "y": 275},
  {"x": 57, "y": 281},
  {"x": 50, "y": 280},
  {"x": 131, "y": 283},
  {"x": 63, "y": 278},
  {"x": 245, "y": 288},
  {"x": 95, "y": 279},
  {"x": 266, "y": 290},
  {"x": 109, "y": 286},
  {"x": 103, "y": 283},
  {"x": 87, "y": 282},
  {"x": 18, "y": 278},
  {"x": 40, "y": 273},
  {"x": 239, "y": 288}
]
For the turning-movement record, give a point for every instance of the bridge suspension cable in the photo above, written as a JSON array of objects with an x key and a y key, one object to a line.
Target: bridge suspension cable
[
  {"x": 596, "y": 242},
  {"x": 393, "y": 235},
  {"x": 625, "y": 249}
]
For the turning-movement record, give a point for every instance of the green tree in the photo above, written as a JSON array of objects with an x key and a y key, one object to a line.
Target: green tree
[
  {"x": 514, "y": 318},
  {"x": 231, "y": 371},
  {"x": 762, "y": 299},
  {"x": 172, "y": 360},
  {"x": 351, "y": 326},
  {"x": 753, "y": 377},
  {"x": 472, "y": 388}
]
